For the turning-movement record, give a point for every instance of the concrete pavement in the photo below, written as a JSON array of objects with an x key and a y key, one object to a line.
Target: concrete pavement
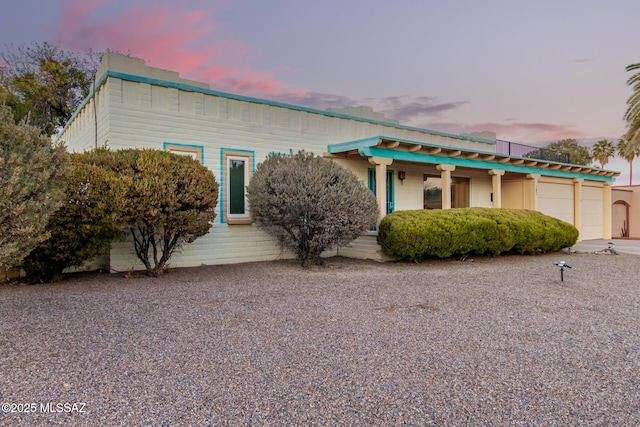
[{"x": 624, "y": 246}]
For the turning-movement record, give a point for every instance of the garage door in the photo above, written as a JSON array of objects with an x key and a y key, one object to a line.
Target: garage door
[
  {"x": 556, "y": 200},
  {"x": 592, "y": 213}
]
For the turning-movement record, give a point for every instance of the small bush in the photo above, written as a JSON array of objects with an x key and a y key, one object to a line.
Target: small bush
[
  {"x": 444, "y": 233},
  {"x": 310, "y": 203}
]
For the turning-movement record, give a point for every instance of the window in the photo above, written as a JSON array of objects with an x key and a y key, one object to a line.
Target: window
[
  {"x": 433, "y": 192},
  {"x": 196, "y": 152},
  {"x": 237, "y": 171}
]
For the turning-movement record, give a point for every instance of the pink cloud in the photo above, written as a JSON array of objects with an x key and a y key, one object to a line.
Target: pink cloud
[
  {"x": 186, "y": 37},
  {"x": 167, "y": 36},
  {"x": 514, "y": 131}
]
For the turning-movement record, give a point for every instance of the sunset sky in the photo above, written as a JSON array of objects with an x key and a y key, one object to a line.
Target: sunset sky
[{"x": 531, "y": 71}]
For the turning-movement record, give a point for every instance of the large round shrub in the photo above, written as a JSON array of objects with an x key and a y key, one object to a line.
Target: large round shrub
[
  {"x": 445, "y": 233},
  {"x": 310, "y": 203},
  {"x": 86, "y": 224},
  {"x": 162, "y": 200},
  {"x": 171, "y": 201}
]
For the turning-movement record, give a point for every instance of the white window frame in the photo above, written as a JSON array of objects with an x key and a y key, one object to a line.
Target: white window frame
[{"x": 228, "y": 156}]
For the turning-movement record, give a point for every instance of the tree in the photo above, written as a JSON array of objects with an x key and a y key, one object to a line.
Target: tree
[
  {"x": 171, "y": 201},
  {"x": 84, "y": 227},
  {"x": 310, "y": 203},
  {"x": 632, "y": 115},
  {"x": 32, "y": 185},
  {"x": 46, "y": 82},
  {"x": 602, "y": 151},
  {"x": 578, "y": 155},
  {"x": 629, "y": 154}
]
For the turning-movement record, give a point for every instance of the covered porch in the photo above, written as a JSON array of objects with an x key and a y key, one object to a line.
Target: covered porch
[{"x": 406, "y": 174}]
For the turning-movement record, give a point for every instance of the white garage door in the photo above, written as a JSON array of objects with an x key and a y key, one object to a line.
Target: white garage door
[
  {"x": 592, "y": 213},
  {"x": 556, "y": 200}
]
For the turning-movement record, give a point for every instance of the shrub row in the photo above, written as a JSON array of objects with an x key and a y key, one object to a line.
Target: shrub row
[{"x": 445, "y": 233}]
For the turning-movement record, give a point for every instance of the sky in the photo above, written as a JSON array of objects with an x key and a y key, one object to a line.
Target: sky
[{"x": 534, "y": 72}]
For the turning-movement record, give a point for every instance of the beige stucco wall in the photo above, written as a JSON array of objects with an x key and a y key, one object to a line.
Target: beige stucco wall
[
  {"x": 513, "y": 194},
  {"x": 618, "y": 219},
  {"x": 631, "y": 195}
]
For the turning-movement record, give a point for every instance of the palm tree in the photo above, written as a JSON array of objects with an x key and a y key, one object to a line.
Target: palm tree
[
  {"x": 601, "y": 152},
  {"x": 632, "y": 116},
  {"x": 629, "y": 154}
]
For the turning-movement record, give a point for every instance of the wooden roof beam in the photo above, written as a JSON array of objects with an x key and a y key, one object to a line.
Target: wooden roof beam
[{"x": 389, "y": 144}]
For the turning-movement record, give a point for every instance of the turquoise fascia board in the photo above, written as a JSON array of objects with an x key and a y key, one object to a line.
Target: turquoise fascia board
[
  {"x": 189, "y": 88},
  {"x": 342, "y": 147},
  {"x": 84, "y": 102},
  {"x": 473, "y": 163},
  {"x": 353, "y": 145}
]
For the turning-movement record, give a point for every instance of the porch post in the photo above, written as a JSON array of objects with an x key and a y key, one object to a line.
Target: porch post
[
  {"x": 496, "y": 182},
  {"x": 606, "y": 211},
  {"x": 577, "y": 204},
  {"x": 531, "y": 191},
  {"x": 381, "y": 164},
  {"x": 445, "y": 176}
]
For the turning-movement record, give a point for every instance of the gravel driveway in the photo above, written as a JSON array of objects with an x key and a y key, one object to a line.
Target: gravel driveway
[{"x": 493, "y": 341}]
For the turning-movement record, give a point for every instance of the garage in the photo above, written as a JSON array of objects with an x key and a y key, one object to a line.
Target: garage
[
  {"x": 592, "y": 211},
  {"x": 555, "y": 198}
]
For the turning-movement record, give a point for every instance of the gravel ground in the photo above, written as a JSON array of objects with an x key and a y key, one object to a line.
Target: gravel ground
[{"x": 493, "y": 341}]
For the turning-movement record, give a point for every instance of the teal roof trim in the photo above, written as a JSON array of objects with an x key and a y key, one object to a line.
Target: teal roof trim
[
  {"x": 373, "y": 141},
  {"x": 474, "y": 163},
  {"x": 354, "y": 145},
  {"x": 84, "y": 102},
  {"x": 189, "y": 88}
]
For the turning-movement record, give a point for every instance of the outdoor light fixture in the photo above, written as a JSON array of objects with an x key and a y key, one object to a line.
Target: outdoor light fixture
[
  {"x": 562, "y": 266},
  {"x": 402, "y": 175}
]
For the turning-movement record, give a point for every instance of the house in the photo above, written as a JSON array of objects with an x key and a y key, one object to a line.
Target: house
[{"x": 134, "y": 105}]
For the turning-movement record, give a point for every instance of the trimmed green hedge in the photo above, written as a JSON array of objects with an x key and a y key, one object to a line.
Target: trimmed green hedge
[{"x": 445, "y": 233}]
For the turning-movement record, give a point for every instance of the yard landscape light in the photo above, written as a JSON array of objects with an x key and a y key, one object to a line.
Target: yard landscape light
[{"x": 562, "y": 266}]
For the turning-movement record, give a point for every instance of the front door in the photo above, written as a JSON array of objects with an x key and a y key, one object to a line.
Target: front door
[{"x": 390, "y": 188}]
